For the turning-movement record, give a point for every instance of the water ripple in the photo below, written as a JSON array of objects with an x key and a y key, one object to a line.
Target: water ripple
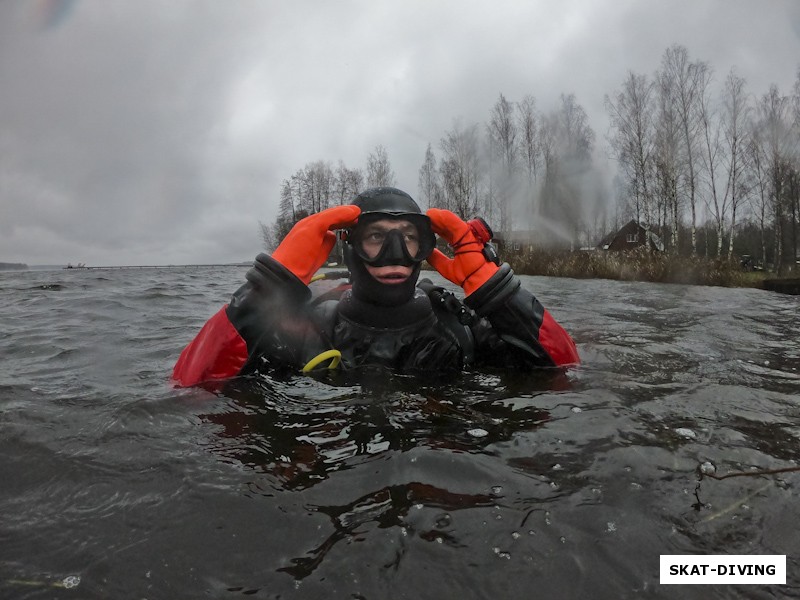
[{"x": 360, "y": 487}]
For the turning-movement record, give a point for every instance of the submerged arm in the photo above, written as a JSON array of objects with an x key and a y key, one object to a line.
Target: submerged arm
[
  {"x": 266, "y": 315},
  {"x": 521, "y": 321},
  {"x": 257, "y": 321},
  {"x": 494, "y": 292}
]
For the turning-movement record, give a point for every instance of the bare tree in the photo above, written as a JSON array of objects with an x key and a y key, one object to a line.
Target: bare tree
[
  {"x": 268, "y": 236},
  {"x": 668, "y": 158},
  {"x": 793, "y": 189},
  {"x": 379, "y": 170},
  {"x": 567, "y": 144},
  {"x": 688, "y": 80},
  {"x": 287, "y": 215},
  {"x": 529, "y": 137},
  {"x": 502, "y": 130},
  {"x": 550, "y": 154},
  {"x": 288, "y": 202},
  {"x": 778, "y": 148},
  {"x": 430, "y": 187},
  {"x": 460, "y": 169},
  {"x": 347, "y": 183},
  {"x": 319, "y": 185},
  {"x": 735, "y": 118},
  {"x": 530, "y": 151},
  {"x": 794, "y": 181},
  {"x": 759, "y": 186},
  {"x": 711, "y": 156},
  {"x": 578, "y": 136},
  {"x": 796, "y": 101},
  {"x": 633, "y": 140}
]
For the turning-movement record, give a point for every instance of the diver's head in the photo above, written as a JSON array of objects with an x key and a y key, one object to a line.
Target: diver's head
[{"x": 385, "y": 249}]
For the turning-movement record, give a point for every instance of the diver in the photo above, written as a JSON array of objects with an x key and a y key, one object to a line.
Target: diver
[{"x": 384, "y": 317}]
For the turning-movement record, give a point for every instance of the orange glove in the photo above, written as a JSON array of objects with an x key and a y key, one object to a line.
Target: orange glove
[
  {"x": 470, "y": 268},
  {"x": 307, "y": 246}
]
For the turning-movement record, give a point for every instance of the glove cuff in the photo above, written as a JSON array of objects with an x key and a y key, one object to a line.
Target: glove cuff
[
  {"x": 493, "y": 294},
  {"x": 267, "y": 273}
]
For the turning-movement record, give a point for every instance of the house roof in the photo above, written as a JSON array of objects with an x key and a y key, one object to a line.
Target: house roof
[{"x": 649, "y": 234}]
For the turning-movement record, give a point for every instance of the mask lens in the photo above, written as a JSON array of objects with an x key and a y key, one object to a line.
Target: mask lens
[
  {"x": 374, "y": 241},
  {"x": 392, "y": 241}
]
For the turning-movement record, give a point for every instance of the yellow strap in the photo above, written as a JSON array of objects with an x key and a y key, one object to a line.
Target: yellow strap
[
  {"x": 317, "y": 277},
  {"x": 334, "y": 355}
]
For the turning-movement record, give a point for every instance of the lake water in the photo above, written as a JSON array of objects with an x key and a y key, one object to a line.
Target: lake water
[{"x": 492, "y": 485}]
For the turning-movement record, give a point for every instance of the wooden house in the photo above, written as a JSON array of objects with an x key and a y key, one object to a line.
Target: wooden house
[
  {"x": 630, "y": 236},
  {"x": 513, "y": 242}
]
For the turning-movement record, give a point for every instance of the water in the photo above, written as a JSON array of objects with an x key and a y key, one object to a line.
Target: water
[{"x": 492, "y": 485}]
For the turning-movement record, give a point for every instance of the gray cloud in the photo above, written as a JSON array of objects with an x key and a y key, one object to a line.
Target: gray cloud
[{"x": 158, "y": 133}]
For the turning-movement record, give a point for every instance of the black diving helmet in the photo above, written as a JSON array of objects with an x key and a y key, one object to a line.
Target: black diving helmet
[{"x": 407, "y": 241}]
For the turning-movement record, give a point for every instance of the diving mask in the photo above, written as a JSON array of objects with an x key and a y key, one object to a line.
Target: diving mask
[{"x": 382, "y": 239}]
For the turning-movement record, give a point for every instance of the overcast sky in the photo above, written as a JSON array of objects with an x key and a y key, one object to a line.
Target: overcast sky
[{"x": 158, "y": 132}]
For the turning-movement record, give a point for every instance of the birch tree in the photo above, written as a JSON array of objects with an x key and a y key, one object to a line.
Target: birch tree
[
  {"x": 793, "y": 191},
  {"x": 529, "y": 138},
  {"x": 711, "y": 156},
  {"x": 503, "y": 146},
  {"x": 268, "y": 236},
  {"x": 460, "y": 170},
  {"x": 795, "y": 172},
  {"x": 551, "y": 161},
  {"x": 319, "y": 184},
  {"x": 778, "y": 146},
  {"x": 633, "y": 139},
  {"x": 287, "y": 214},
  {"x": 430, "y": 187},
  {"x": 347, "y": 183},
  {"x": 567, "y": 144},
  {"x": 379, "y": 169},
  {"x": 759, "y": 186},
  {"x": 530, "y": 152},
  {"x": 668, "y": 158},
  {"x": 688, "y": 80},
  {"x": 736, "y": 113}
]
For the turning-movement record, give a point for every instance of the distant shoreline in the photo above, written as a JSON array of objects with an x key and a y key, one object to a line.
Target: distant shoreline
[
  {"x": 194, "y": 266},
  {"x": 621, "y": 267},
  {"x": 13, "y": 266},
  {"x": 647, "y": 267},
  {"x": 24, "y": 267}
]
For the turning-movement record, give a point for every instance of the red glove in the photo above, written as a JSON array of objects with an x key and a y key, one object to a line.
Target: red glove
[
  {"x": 307, "y": 246},
  {"x": 470, "y": 268}
]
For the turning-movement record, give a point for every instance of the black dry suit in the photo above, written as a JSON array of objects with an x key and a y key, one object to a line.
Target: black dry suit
[
  {"x": 283, "y": 323},
  {"x": 275, "y": 320}
]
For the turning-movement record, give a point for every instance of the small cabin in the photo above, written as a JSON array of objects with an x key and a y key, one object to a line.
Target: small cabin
[
  {"x": 631, "y": 236},
  {"x": 514, "y": 242}
]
